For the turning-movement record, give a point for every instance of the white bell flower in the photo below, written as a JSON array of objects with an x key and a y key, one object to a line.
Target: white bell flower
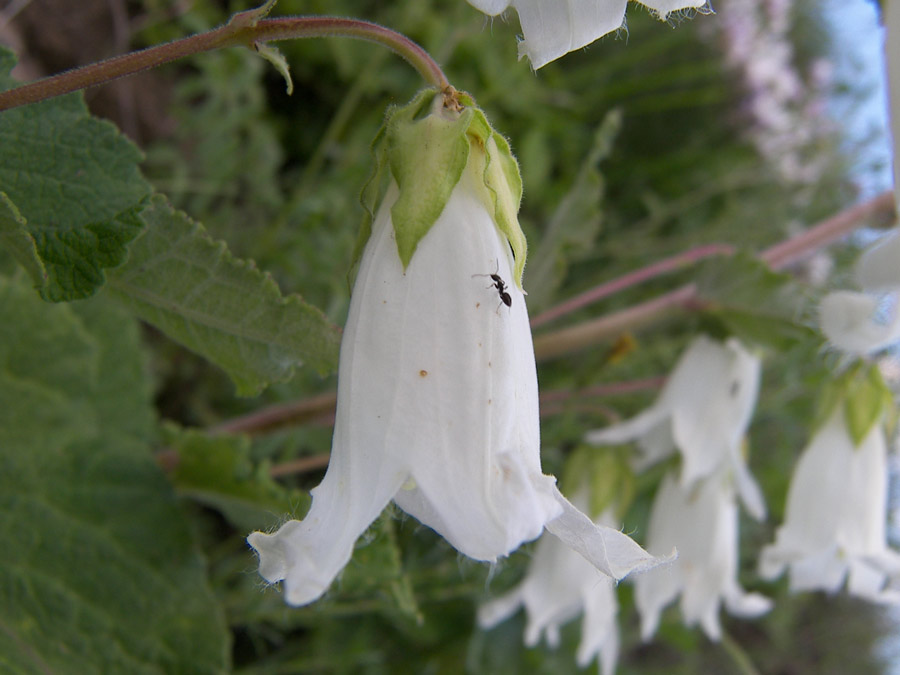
[
  {"x": 703, "y": 411},
  {"x": 553, "y": 28},
  {"x": 702, "y": 522},
  {"x": 834, "y": 529},
  {"x": 560, "y": 585},
  {"x": 865, "y": 322},
  {"x": 437, "y": 405}
]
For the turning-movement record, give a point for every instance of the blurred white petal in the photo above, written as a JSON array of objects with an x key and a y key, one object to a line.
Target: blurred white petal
[
  {"x": 703, "y": 524},
  {"x": 552, "y": 28},
  {"x": 859, "y": 322},
  {"x": 560, "y": 585},
  {"x": 835, "y": 522}
]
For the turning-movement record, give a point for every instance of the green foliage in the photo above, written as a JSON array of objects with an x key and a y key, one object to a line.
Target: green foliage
[
  {"x": 73, "y": 184},
  {"x": 100, "y": 572},
  {"x": 217, "y": 472},
  {"x": 642, "y": 136},
  {"x": 190, "y": 286},
  {"x": 752, "y": 302}
]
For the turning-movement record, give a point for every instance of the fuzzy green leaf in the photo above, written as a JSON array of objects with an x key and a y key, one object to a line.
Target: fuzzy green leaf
[
  {"x": 19, "y": 242},
  {"x": 75, "y": 182},
  {"x": 100, "y": 573},
  {"x": 189, "y": 286},
  {"x": 217, "y": 471},
  {"x": 749, "y": 300}
]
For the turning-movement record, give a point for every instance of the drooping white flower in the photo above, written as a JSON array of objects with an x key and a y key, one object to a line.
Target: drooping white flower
[
  {"x": 860, "y": 323},
  {"x": 703, "y": 412},
  {"x": 834, "y": 529},
  {"x": 560, "y": 585},
  {"x": 553, "y": 28},
  {"x": 437, "y": 389},
  {"x": 702, "y": 521}
]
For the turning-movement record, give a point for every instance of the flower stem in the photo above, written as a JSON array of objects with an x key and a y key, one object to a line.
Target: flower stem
[
  {"x": 232, "y": 34},
  {"x": 738, "y": 655},
  {"x": 781, "y": 255}
]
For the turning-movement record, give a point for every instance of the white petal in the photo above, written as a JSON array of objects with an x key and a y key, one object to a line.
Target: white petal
[
  {"x": 664, "y": 7},
  {"x": 703, "y": 524},
  {"x": 836, "y": 515},
  {"x": 307, "y": 555},
  {"x": 651, "y": 428},
  {"x": 554, "y": 28},
  {"x": 609, "y": 550},
  {"x": 559, "y": 585},
  {"x": 454, "y": 384},
  {"x": 878, "y": 269},
  {"x": 849, "y": 320},
  {"x": 599, "y": 631},
  {"x": 437, "y": 392},
  {"x": 490, "y": 7},
  {"x": 709, "y": 399},
  {"x": 500, "y": 609},
  {"x": 712, "y": 396}
]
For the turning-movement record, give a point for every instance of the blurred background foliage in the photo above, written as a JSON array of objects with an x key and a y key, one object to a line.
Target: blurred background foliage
[{"x": 637, "y": 148}]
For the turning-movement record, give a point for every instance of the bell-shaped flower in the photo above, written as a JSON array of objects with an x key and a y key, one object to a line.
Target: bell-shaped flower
[
  {"x": 865, "y": 322},
  {"x": 559, "y": 586},
  {"x": 703, "y": 412},
  {"x": 553, "y": 28},
  {"x": 437, "y": 390},
  {"x": 702, "y": 521},
  {"x": 834, "y": 530}
]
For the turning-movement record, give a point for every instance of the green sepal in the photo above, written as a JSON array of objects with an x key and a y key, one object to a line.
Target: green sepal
[
  {"x": 427, "y": 155},
  {"x": 607, "y": 476},
  {"x": 499, "y": 174},
  {"x": 867, "y": 402},
  {"x": 865, "y": 399},
  {"x": 19, "y": 242},
  {"x": 427, "y": 145}
]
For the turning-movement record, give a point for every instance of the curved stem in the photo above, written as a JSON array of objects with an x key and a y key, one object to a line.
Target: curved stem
[
  {"x": 557, "y": 343},
  {"x": 631, "y": 279},
  {"x": 234, "y": 33}
]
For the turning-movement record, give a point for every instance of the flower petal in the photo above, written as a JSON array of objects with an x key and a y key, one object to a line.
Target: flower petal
[
  {"x": 609, "y": 550},
  {"x": 307, "y": 555},
  {"x": 555, "y": 28},
  {"x": 850, "y": 321},
  {"x": 490, "y": 7},
  {"x": 451, "y": 389},
  {"x": 712, "y": 395}
]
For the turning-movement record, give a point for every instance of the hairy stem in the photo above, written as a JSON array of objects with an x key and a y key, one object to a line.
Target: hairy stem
[{"x": 234, "y": 33}]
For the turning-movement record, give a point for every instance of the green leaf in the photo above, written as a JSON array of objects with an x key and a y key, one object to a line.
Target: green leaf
[
  {"x": 190, "y": 287},
  {"x": 575, "y": 222},
  {"x": 217, "y": 472},
  {"x": 75, "y": 182},
  {"x": 19, "y": 242},
  {"x": 376, "y": 565},
  {"x": 100, "y": 573},
  {"x": 751, "y": 301}
]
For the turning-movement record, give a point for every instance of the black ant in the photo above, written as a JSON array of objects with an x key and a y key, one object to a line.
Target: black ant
[{"x": 500, "y": 285}]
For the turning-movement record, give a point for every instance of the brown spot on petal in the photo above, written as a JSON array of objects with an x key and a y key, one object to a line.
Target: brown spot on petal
[{"x": 423, "y": 373}]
